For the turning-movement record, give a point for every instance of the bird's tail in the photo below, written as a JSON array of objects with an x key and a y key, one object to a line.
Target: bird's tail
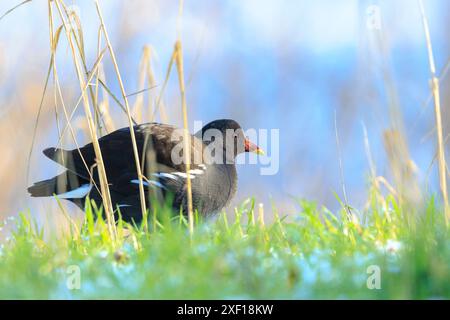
[{"x": 66, "y": 185}]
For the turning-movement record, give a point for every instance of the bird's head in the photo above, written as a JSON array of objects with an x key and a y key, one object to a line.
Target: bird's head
[{"x": 230, "y": 135}]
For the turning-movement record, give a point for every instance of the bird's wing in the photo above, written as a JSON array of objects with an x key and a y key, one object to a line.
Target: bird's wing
[{"x": 160, "y": 143}]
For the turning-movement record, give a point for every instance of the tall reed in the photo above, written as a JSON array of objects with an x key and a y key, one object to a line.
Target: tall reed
[{"x": 438, "y": 117}]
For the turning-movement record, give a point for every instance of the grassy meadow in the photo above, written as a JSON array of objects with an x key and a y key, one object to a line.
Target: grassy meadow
[
  {"x": 396, "y": 246},
  {"x": 315, "y": 254}
]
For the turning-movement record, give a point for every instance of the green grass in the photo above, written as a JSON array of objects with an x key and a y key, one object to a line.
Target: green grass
[{"x": 313, "y": 254}]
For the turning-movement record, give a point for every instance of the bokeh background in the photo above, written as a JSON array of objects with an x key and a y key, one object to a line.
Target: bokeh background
[{"x": 295, "y": 66}]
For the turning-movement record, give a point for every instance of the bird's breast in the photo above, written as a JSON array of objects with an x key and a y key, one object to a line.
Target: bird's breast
[{"x": 214, "y": 189}]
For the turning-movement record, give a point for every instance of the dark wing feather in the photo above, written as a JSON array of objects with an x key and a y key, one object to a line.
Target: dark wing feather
[{"x": 157, "y": 140}]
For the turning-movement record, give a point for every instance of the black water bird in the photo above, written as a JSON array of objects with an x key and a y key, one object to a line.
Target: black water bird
[{"x": 213, "y": 172}]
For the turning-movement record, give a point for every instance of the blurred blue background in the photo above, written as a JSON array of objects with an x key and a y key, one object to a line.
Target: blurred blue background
[{"x": 287, "y": 65}]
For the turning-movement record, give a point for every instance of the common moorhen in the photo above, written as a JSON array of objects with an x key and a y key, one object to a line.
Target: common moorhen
[{"x": 212, "y": 173}]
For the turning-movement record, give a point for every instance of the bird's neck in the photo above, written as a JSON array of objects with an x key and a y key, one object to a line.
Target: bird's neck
[{"x": 232, "y": 175}]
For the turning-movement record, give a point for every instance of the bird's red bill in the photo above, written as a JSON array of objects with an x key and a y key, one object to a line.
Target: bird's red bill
[{"x": 251, "y": 147}]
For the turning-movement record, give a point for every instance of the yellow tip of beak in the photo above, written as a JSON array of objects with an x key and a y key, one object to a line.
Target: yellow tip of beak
[{"x": 260, "y": 152}]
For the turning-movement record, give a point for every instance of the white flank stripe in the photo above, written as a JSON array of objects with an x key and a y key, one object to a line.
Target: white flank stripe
[
  {"x": 183, "y": 175},
  {"x": 148, "y": 183},
  {"x": 165, "y": 175},
  {"x": 196, "y": 171},
  {"x": 123, "y": 205},
  {"x": 77, "y": 193},
  {"x": 157, "y": 184},
  {"x": 202, "y": 166},
  {"x": 136, "y": 181}
]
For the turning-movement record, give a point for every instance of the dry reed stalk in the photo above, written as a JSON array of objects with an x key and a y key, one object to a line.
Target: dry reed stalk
[
  {"x": 166, "y": 80},
  {"x": 376, "y": 181},
  {"x": 382, "y": 180},
  {"x": 403, "y": 169},
  {"x": 53, "y": 43},
  {"x": 107, "y": 204},
  {"x": 79, "y": 41},
  {"x": 61, "y": 183},
  {"x": 152, "y": 84},
  {"x": 438, "y": 117},
  {"x": 148, "y": 152},
  {"x": 90, "y": 76},
  {"x": 373, "y": 173},
  {"x": 116, "y": 100},
  {"x": 127, "y": 107},
  {"x": 54, "y": 39},
  {"x": 102, "y": 113},
  {"x": 38, "y": 115},
  {"x": 14, "y": 8},
  {"x": 146, "y": 73},
  {"x": 78, "y": 37},
  {"x": 441, "y": 77},
  {"x": 341, "y": 169},
  {"x": 69, "y": 120},
  {"x": 186, "y": 136},
  {"x": 139, "y": 102},
  {"x": 104, "y": 104},
  {"x": 395, "y": 141}
]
